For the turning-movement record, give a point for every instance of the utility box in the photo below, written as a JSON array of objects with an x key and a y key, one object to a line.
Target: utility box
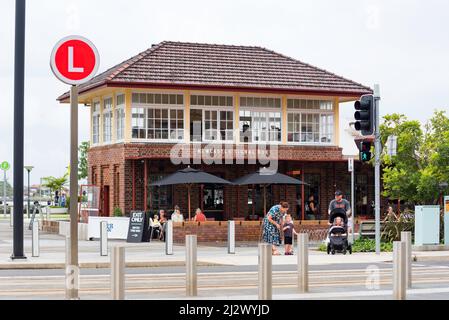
[
  {"x": 446, "y": 221},
  {"x": 427, "y": 225}
]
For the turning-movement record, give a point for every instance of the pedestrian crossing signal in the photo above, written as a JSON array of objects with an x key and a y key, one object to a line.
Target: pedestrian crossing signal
[{"x": 365, "y": 153}]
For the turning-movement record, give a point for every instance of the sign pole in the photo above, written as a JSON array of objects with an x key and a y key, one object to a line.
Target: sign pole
[
  {"x": 19, "y": 89},
  {"x": 73, "y": 266},
  {"x": 378, "y": 164},
  {"x": 352, "y": 170},
  {"x": 4, "y": 193}
]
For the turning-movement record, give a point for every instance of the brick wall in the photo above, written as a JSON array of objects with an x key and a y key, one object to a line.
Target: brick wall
[{"x": 246, "y": 231}]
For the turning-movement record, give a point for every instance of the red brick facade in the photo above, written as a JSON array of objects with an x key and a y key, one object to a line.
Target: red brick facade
[{"x": 115, "y": 166}]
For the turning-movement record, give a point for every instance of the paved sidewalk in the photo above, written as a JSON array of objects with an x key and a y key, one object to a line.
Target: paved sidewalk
[{"x": 52, "y": 254}]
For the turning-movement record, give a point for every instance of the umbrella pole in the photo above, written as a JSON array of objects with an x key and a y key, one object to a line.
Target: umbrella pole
[
  {"x": 265, "y": 200},
  {"x": 188, "y": 194}
]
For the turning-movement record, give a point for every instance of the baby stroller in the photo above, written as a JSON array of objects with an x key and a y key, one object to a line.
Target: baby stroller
[{"x": 338, "y": 235}]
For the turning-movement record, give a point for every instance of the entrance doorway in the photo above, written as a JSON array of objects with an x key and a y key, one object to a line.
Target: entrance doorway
[
  {"x": 106, "y": 207},
  {"x": 213, "y": 202}
]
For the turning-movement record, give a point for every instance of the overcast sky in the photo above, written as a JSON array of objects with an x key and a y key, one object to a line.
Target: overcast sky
[{"x": 402, "y": 45}]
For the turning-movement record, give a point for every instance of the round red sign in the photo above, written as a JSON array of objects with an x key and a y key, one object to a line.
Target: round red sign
[{"x": 75, "y": 60}]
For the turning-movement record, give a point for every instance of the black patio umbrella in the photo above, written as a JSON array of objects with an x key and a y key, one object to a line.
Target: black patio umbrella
[
  {"x": 265, "y": 178},
  {"x": 190, "y": 177}
]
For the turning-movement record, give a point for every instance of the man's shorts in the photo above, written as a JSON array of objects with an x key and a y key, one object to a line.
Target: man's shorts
[{"x": 288, "y": 240}]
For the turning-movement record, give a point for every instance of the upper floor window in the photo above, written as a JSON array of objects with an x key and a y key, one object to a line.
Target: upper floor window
[
  {"x": 158, "y": 99},
  {"x": 211, "y": 101},
  {"x": 120, "y": 117},
  {"x": 260, "y": 120},
  {"x": 158, "y": 117},
  {"x": 96, "y": 122},
  {"x": 310, "y": 121},
  {"x": 107, "y": 120}
]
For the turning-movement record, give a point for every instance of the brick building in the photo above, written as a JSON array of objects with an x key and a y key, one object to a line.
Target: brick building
[{"x": 205, "y": 98}]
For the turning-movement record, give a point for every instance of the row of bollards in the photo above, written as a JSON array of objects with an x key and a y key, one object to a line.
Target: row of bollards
[{"x": 401, "y": 267}]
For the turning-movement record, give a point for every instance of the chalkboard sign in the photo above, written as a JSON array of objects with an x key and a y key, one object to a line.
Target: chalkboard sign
[{"x": 138, "y": 227}]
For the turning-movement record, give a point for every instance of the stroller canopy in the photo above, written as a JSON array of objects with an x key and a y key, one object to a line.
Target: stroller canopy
[{"x": 338, "y": 213}]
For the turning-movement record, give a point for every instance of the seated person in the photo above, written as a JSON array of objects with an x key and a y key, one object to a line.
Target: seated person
[{"x": 155, "y": 226}]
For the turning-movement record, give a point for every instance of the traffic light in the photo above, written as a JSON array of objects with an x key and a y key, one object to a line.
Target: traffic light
[
  {"x": 365, "y": 115},
  {"x": 365, "y": 152}
]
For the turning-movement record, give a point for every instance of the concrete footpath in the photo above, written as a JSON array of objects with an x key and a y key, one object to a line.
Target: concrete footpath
[{"x": 146, "y": 255}]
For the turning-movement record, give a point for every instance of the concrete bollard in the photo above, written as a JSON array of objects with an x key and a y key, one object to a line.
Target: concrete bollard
[
  {"x": 265, "y": 272},
  {"x": 104, "y": 239},
  {"x": 169, "y": 238},
  {"x": 303, "y": 263},
  {"x": 191, "y": 266},
  {"x": 406, "y": 237},
  {"x": 231, "y": 237},
  {"x": 35, "y": 239},
  {"x": 118, "y": 273},
  {"x": 11, "y": 217},
  {"x": 399, "y": 271}
]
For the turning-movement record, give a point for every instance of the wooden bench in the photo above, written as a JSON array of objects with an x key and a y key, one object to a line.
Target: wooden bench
[{"x": 368, "y": 229}]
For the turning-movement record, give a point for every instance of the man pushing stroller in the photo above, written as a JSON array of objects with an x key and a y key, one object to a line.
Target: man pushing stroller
[{"x": 340, "y": 225}]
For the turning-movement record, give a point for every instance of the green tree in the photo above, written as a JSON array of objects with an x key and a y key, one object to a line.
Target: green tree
[
  {"x": 422, "y": 159},
  {"x": 9, "y": 191},
  {"x": 83, "y": 172},
  {"x": 56, "y": 184}
]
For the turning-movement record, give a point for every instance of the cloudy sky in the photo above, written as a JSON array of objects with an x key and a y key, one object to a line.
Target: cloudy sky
[{"x": 402, "y": 45}]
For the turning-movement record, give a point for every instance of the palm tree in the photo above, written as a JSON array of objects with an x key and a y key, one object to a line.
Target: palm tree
[{"x": 56, "y": 184}]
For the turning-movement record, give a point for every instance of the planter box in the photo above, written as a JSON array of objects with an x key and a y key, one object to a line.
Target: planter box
[{"x": 57, "y": 210}]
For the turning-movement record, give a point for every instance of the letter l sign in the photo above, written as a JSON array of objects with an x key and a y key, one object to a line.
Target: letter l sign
[{"x": 71, "y": 62}]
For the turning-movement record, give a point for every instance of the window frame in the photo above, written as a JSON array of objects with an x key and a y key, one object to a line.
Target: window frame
[
  {"x": 169, "y": 108},
  {"x": 268, "y": 110},
  {"x": 320, "y": 113},
  {"x": 98, "y": 114}
]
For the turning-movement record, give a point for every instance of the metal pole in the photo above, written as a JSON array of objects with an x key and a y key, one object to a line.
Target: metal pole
[
  {"x": 35, "y": 243},
  {"x": 399, "y": 271},
  {"x": 265, "y": 272},
  {"x": 169, "y": 238},
  {"x": 118, "y": 273},
  {"x": 104, "y": 239},
  {"x": 231, "y": 237},
  {"x": 4, "y": 193},
  {"x": 191, "y": 266},
  {"x": 72, "y": 274},
  {"x": 28, "y": 202},
  {"x": 303, "y": 263},
  {"x": 73, "y": 259},
  {"x": 406, "y": 237},
  {"x": 353, "y": 202},
  {"x": 378, "y": 164},
  {"x": 19, "y": 88}
]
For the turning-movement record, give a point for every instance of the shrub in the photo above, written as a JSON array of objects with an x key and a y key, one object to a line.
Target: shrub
[
  {"x": 393, "y": 228},
  {"x": 364, "y": 245},
  {"x": 118, "y": 212}
]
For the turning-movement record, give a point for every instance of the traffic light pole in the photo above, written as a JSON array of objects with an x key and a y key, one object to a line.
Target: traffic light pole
[{"x": 378, "y": 152}]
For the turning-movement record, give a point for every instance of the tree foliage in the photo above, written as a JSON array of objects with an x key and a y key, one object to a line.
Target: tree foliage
[
  {"x": 83, "y": 171},
  {"x": 422, "y": 160},
  {"x": 56, "y": 184}
]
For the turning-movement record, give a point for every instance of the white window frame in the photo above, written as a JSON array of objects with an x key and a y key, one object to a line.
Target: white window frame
[
  {"x": 120, "y": 118},
  {"x": 96, "y": 114},
  {"x": 214, "y": 109},
  {"x": 111, "y": 119},
  {"x": 320, "y": 113},
  {"x": 265, "y": 110},
  {"x": 169, "y": 108}
]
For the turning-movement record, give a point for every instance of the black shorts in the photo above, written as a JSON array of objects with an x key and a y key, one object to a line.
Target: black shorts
[{"x": 288, "y": 240}]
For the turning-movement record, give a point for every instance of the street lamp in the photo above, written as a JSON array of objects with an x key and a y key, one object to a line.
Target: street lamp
[{"x": 29, "y": 168}]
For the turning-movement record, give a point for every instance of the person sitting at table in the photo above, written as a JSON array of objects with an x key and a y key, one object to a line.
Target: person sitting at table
[
  {"x": 155, "y": 227},
  {"x": 163, "y": 222},
  {"x": 199, "y": 216},
  {"x": 177, "y": 216}
]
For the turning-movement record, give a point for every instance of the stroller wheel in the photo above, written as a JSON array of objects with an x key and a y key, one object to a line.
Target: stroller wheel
[
  {"x": 333, "y": 252},
  {"x": 345, "y": 252},
  {"x": 350, "y": 250},
  {"x": 328, "y": 249}
]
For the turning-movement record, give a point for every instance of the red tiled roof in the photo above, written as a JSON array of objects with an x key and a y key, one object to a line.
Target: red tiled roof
[{"x": 181, "y": 64}]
